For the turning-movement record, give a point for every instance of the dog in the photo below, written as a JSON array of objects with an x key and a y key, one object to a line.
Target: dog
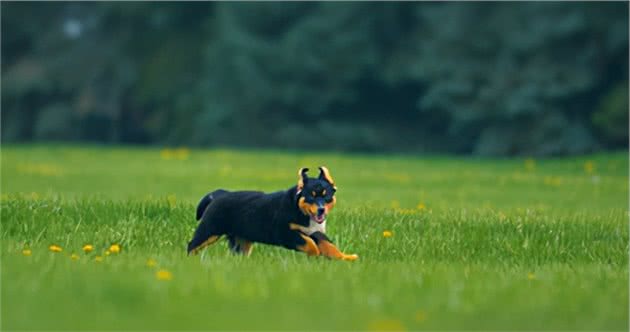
[{"x": 293, "y": 218}]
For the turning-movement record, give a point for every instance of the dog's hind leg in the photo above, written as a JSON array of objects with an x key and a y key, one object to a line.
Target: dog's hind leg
[
  {"x": 207, "y": 233},
  {"x": 239, "y": 245},
  {"x": 193, "y": 248}
]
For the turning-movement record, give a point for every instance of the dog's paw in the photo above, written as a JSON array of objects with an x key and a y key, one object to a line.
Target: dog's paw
[{"x": 352, "y": 257}]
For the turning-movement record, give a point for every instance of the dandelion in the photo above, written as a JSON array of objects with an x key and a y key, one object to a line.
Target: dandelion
[
  {"x": 26, "y": 252},
  {"x": 531, "y": 276},
  {"x": 420, "y": 316},
  {"x": 421, "y": 206},
  {"x": 107, "y": 252},
  {"x": 406, "y": 211},
  {"x": 530, "y": 164},
  {"x": 171, "y": 200},
  {"x": 88, "y": 248},
  {"x": 163, "y": 275},
  {"x": 55, "y": 248},
  {"x": 181, "y": 153},
  {"x": 151, "y": 262},
  {"x": 387, "y": 234},
  {"x": 553, "y": 181},
  {"x": 114, "y": 248},
  {"x": 589, "y": 167},
  {"x": 98, "y": 258},
  {"x": 166, "y": 154},
  {"x": 74, "y": 257}
]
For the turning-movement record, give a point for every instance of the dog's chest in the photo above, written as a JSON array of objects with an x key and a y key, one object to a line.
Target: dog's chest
[{"x": 313, "y": 227}]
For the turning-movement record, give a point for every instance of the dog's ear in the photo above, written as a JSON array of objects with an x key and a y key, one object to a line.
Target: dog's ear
[
  {"x": 302, "y": 178},
  {"x": 324, "y": 174}
]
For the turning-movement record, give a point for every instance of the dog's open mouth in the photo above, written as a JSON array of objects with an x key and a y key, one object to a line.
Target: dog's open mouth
[{"x": 319, "y": 218}]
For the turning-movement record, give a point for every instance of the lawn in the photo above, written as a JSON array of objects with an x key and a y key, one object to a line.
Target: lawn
[{"x": 510, "y": 244}]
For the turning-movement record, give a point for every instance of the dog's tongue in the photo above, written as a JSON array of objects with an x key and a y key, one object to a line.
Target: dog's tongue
[{"x": 320, "y": 219}]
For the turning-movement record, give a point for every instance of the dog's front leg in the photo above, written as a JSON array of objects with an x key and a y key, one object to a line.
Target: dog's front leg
[
  {"x": 297, "y": 241},
  {"x": 326, "y": 248}
]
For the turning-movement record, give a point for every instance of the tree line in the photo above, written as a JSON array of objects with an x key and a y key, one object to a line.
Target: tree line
[{"x": 527, "y": 78}]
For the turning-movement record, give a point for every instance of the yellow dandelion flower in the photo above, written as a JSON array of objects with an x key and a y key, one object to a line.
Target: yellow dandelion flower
[
  {"x": 553, "y": 181},
  {"x": 172, "y": 199},
  {"x": 531, "y": 276},
  {"x": 589, "y": 167},
  {"x": 107, "y": 252},
  {"x": 98, "y": 258},
  {"x": 163, "y": 275},
  {"x": 420, "y": 316},
  {"x": 387, "y": 234},
  {"x": 530, "y": 164},
  {"x": 114, "y": 248},
  {"x": 406, "y": 211},
  {"x": 421, "y": 206},
  {"x": 74, "y": 257},
  {"x": 88, "y": 248},
  {"x": 151, "y": 262},
  {"x": 26, "y": 252},
  {"x": 55, "y": 248},
  {"x": 181, "y": 153},
  {"x": 166, "y": 154}
]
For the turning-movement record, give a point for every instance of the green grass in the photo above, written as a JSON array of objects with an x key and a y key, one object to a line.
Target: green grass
[{"x": 484, "y": 244}]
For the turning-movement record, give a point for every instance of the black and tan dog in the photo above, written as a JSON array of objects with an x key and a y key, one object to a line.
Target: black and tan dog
[{"x": 294, "y": 218}]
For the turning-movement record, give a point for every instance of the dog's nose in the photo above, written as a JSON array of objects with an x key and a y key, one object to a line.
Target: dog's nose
[{"x": 320, "y": 211}]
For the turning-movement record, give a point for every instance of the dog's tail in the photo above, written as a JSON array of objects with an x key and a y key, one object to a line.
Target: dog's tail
[{"x": 207, "y": 199}]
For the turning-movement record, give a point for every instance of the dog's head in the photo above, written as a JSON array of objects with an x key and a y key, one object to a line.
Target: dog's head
[{"x": 316, "y": 196}]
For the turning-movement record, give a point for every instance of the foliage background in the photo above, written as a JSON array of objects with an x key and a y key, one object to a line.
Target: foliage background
[{"x": 528, "y": 78}]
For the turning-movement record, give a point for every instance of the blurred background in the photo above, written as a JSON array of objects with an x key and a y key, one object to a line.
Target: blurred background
[{"x": 499, "y": 79}]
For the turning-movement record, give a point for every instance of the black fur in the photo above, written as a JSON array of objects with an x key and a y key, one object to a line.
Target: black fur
[
  {"x": 251, "y": 215},
  {"x": 255, "y": 216},
  {"x": 206, "y": 200},
  {"x": 319, "y": 236}
]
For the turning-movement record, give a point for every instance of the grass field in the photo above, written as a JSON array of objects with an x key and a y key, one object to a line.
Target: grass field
[{"x": 510, "y": 244}]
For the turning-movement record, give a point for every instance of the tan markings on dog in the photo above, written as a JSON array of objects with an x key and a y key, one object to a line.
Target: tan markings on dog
[
  {"x": 301, "y": 174},
  {"x": 331, "y": 205},
  {"x": 310, "y": 248},
  {"x": 246, "y": 246},
  {"x": 329, "y": 250},
  {"x": 212, "y": 239},
  {"x": 307, "y": 208},
  {"x": 326, "y": 174},
  {"x": 324, "y": 192}
]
